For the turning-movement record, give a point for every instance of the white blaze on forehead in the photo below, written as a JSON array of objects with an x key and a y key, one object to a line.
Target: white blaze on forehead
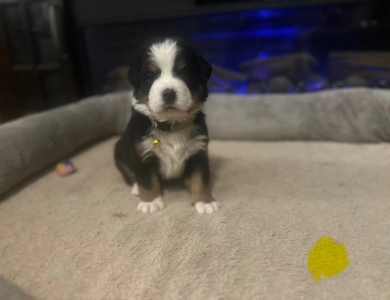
[{"x": 163, "y": 55}]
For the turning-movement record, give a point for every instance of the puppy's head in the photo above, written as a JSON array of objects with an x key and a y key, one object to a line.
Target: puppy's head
[{"x": 169, "y": 80}]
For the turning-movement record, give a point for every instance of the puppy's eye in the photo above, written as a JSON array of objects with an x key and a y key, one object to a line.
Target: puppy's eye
[
  {"x": 150, "y": 78},
  {"x": 184, "y": 73}
]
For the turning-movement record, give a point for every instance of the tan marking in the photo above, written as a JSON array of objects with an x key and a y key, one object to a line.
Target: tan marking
[
  {"x": 144, "y": 100},
  {"x": 196, "y": 102},
  {"x": 180, "y": 65},
  {"x": 155, "y": 69},
  {"x": 148, "y": 195},
  {"x": 199, "y": 191}
]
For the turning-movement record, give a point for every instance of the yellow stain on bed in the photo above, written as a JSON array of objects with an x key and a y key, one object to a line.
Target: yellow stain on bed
[{"x": 327, "y": 258}]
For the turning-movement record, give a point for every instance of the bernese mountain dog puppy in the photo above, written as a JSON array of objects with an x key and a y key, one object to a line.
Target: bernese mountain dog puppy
[{"x": 167, "y": 136}]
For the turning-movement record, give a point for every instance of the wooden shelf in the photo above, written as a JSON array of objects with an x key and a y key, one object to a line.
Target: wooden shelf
[{"x": 34, "y": 85}]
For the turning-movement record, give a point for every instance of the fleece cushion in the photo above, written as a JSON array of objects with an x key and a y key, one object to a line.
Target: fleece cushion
[
  {"x": 80, "y": 237},
  {"x": 32, "y": 143},
  {"x": 344, "y": 115},
  {"x": 357, "y": 115}
]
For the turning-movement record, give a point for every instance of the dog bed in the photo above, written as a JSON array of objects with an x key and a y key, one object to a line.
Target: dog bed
[{"x": 279, "y": 170}]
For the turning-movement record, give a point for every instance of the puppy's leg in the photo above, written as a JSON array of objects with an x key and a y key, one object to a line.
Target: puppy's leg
[
  {"x": 142, "y": 175},
  {"x": 124, "y": 169},
  {"x": 128, "y": 176},
  {"x": 197, "y": 179},
  {"x": 149, "y": 189}
]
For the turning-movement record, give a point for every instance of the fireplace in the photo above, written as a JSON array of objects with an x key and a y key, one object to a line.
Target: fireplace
[{"x": 255, "y": 46}]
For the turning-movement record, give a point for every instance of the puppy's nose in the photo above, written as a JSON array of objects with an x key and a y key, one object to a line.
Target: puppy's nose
[{"x": 169, "y": 96}]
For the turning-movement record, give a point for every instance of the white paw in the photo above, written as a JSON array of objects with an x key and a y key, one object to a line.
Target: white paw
[
  {"x": 151, "y": 207},
  {"x": 135, "y": 190},
  {"x": 208, "y": 208}
]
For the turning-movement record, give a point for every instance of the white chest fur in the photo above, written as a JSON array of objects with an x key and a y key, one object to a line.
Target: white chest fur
[{"x": 174, "y": 150}]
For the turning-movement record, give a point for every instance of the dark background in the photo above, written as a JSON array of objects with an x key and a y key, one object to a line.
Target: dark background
[{"x": 56, "y": 52}]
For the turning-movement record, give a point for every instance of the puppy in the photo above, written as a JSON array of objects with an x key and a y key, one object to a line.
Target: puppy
[{"x": 167, "y": 136}]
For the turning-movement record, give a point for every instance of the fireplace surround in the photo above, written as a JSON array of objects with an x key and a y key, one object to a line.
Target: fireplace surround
[{"x": 255, "y": 46}]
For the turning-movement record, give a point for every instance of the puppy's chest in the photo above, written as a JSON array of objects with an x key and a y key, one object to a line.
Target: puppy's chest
[{"x": 175, "y": 148}]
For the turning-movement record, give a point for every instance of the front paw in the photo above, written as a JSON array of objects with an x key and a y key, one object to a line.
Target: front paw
[
  {"x": 152, "y": 206},
  {"x": 208, "y": 208}
]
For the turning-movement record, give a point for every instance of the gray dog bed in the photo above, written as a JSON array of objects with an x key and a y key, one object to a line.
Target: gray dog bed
[{"x": 80, "y": 237}]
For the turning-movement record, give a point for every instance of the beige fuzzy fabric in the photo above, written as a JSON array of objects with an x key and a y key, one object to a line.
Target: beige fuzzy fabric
[
  {"x": 80, "y": 237},
  {"x": 30, "y": 144}
]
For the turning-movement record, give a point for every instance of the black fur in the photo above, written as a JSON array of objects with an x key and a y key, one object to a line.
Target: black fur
[
  {"x": 127, "y": 157},
  {"x": 196, "y": 73}
]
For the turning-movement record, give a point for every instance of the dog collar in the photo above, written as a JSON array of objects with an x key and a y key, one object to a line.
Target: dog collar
[
  {"x": 168, "y": 127},
  {"x": 171, "y": 126}
]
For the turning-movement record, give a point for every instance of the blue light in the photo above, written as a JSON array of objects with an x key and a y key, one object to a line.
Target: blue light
[
  {"x": 266, "y": 14},
  {"x": 242, "y": 88},
  {"x": 314, "y": 86},
  {"x": 263, "y": 55},
  {"x": 260, "y": 34},
  {"x": 277, "y": 32}
]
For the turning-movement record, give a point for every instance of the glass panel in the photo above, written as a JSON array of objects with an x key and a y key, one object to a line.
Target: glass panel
[
  {"x": 273, "y": 50},
  {"x": 17, "y": 34},
  {"x": 39, "y": 16}
]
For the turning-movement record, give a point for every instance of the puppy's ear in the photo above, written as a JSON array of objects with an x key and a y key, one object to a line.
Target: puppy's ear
[{"x": 205, "y": 68}]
